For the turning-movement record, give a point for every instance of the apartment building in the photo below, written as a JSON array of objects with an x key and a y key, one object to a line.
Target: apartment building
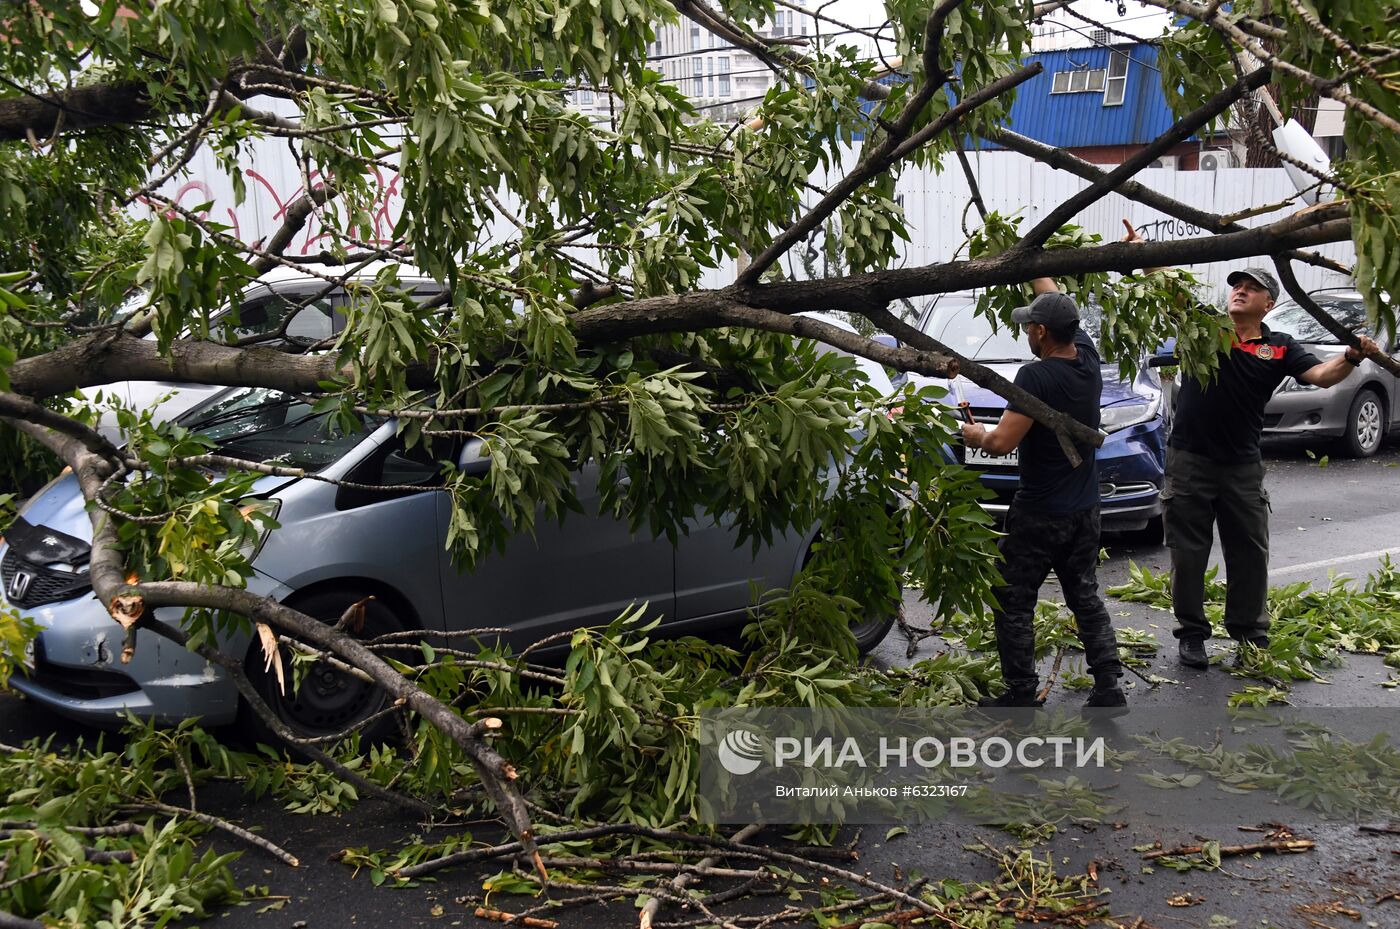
[{"x": 724, "y": 80}]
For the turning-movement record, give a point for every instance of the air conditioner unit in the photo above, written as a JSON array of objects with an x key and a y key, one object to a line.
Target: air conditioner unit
[
  {"x": 1166, "y": 161},
  {"x": 1213, "y": 159}
]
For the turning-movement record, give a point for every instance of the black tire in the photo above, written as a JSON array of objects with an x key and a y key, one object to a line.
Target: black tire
[
  {"x": 328, "y": 700},
  {"x": 1365, "y": 426},
  {"x": 872, "y": 630}
]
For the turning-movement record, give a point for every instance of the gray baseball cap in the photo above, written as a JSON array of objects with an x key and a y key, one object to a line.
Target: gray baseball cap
[
  {"x": 1259, "y": 276},
  {"x": 1048, "y": 310}
]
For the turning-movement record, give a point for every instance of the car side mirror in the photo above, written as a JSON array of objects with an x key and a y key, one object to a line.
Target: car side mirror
[{"x": 475, "y": 459}]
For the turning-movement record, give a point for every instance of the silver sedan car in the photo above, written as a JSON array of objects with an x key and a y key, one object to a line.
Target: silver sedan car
[
  {"x": 1358, "y": 412},
  {"x": 337, "y": 544}
]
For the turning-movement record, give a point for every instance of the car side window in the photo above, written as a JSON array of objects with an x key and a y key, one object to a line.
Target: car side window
[
  {"x": 419, "y": 465},
  {"x": 393, "y": 465},
  {"x": 310, "y": 323}
]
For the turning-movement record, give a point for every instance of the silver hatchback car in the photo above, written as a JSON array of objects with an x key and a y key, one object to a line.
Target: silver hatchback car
[
  {"x": 337, "y": 544},
  {"x": 1359, "y": 412}
]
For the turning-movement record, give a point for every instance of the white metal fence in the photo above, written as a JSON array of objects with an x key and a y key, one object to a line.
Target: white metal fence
[{"x": 935, "y": 203}]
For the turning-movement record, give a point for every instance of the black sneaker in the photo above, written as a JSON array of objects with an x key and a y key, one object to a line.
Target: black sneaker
[
  {"x": 1105, "y": 703},
  {"x": 1013, "y": 698},
  {"x": 1191, "y": 651}
]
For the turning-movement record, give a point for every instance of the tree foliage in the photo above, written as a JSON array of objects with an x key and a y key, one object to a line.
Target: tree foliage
[{"x": 572, "y": 327}]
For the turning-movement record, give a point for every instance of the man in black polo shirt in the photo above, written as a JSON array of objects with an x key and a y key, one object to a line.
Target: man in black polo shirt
[
  {"x": 1053, "y": 521},
  {"x": 1215, "y": 473}
]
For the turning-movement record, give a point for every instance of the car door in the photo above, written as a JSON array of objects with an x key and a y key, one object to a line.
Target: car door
[
  {"x": 585, "y": 571},
  {"x": 716, "y": 577}
]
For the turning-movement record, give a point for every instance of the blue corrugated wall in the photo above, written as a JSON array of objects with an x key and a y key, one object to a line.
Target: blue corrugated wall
[{"x": 1080, "y": 120}]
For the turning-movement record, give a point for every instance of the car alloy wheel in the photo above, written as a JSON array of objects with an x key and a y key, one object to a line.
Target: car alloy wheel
[{"x": 1365, "y": 424}]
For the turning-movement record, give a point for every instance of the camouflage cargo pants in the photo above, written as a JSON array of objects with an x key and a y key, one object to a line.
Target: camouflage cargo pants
[{"x": 1035, "y": 544}]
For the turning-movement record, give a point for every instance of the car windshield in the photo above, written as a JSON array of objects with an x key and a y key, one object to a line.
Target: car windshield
[
  {"x": 1291, "y": 318},
  {"x": 959, "y": 327},
  {"x": 259, "y": 424}
]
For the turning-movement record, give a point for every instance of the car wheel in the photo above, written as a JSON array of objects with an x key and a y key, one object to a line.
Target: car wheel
[
  {"x": 328, "y": 701},
  {"x": 1365, "y": 426},
  {"x": 872, "y": 630}
]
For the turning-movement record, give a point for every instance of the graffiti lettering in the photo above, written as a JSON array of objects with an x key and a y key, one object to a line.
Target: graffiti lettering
[
  {"x": 1161, "y": 229},
  {"x": 266, "y": 206}
]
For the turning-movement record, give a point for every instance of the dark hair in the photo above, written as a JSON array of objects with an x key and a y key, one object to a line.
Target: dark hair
[{"x": 1063, "y": 331}]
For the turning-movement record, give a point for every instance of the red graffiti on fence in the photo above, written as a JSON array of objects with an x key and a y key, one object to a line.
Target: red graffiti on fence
[
  {"x": 198, "y": 193},
  {"x": 314, "y": 234}
]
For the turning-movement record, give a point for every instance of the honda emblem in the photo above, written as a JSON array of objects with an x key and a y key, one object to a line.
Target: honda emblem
[{"x": 19, "y": 585}]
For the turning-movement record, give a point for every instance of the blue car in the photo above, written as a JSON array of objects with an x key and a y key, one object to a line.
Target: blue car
[{"x": 1132, "y": 459}]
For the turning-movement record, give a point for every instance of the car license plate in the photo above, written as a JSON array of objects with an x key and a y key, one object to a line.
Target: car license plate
[{"x": 982, "y": 459}]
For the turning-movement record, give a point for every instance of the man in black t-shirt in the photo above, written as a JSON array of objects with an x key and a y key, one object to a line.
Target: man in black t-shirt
[
  {"x": 1053, "y": 521},
  {"x": 1215, "y": 474}
]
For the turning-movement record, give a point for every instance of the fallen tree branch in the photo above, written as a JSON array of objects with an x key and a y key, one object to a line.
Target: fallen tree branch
[
  {"x": 1324, "y": 319},
  {"x": 233, "y": 829},
  {"x": 1179, "y": 132},
  {"x": 500, "y": 916},
  {"x": 1281, "y": 847},
  {"x": 1133, "y": 190},
  {"x": 1381, "y": 830},
  {"x": 679, "y": 883},
  {"x": 665, "y": 835}
]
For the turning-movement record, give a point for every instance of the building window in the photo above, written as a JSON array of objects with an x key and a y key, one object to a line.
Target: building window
[
  {"x": 1077, "y": 81},
  {"x": 1117, "y": 87},
  {"x": 699, "y": 78}
]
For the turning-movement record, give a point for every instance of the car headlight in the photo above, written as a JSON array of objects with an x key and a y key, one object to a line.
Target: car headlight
[
  {"x": 1290, "y": 384},
  {"x": 263, "y": 507},
  {"x": 1122, "y": 415}
]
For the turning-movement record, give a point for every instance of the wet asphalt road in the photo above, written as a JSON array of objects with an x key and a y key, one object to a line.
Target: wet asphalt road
[{"x": 1337, "y": 518}]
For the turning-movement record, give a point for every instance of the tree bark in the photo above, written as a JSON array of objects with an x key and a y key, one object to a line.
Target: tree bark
[{"x": 44, "y": 115}]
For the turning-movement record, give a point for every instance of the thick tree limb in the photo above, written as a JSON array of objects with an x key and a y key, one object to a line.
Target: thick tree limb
[
  {"x": 1182, "y": 129},
  {"x": 1299, "y": 230},
  {"x": 102, "y": 358},
  {"x": 1324, "y": 319},
  {"x": 23, "y": 408},
  {"x": 11, "y": 921},
  {"x": 139, "y": 602},
  {"x": 117, "y": 104},
  {"x": 1133, "y": 190}
]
